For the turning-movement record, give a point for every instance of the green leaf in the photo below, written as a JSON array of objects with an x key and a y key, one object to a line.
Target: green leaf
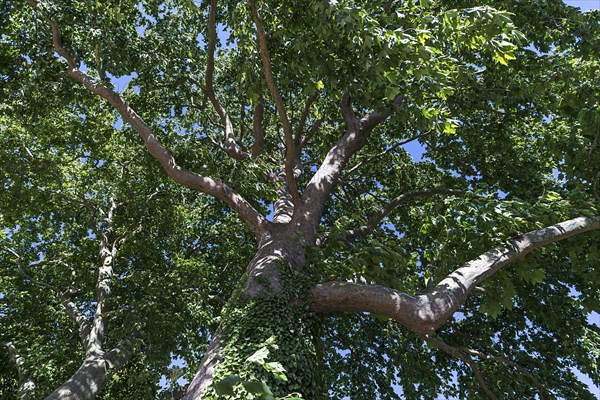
[
  {"x": 257, "y": 387},
  {"x": 225, "y": 385}
]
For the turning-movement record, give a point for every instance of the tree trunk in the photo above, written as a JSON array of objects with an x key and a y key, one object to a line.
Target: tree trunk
[
  {"x": 85, "y": 383},
  {"x": 268, "y": 310}
]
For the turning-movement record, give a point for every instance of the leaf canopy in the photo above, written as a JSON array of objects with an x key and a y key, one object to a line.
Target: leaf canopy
[{"x": 501, "y": 99}]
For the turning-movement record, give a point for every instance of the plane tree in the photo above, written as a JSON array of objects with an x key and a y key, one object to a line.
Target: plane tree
[{"x": 372, "y": 200}]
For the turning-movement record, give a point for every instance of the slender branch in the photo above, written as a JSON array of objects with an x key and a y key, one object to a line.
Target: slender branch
[
  {"x": 259, "y": 132},
  {"x": 375, "y": 219},
  {"x": 427, "y": 312},
  {"x": 386, "y": 151},
  {"x": 541, "y": 388},
  {"x": 231, "y": 147},
  {"x": 179, "y": 174},
  {"x": 290, "y": 157},
  {"x": 65, "y": 295},
  {"x": 453, "y": 351},
  {"x": 311, "y": 132},
  {"x": 591, "y": 165},
  {"x": 302, "y": 122},
  {"x": 388, "y": 5}
]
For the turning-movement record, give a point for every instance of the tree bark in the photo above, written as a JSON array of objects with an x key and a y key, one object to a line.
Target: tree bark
[
  {"x": 94, "y": 373},
  {"x": 26, "y": 382},
  {"x": 427, "y": 312},
  {"x": 268, "y": 305}
]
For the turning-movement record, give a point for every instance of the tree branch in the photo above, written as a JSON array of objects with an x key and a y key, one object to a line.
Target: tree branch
[
  {"x": 26, "y": 382},
  {"x": 427, "y": 312},
  {"x": 311, "y": 132},
  {"x": 453, "y": 351},
  {"x": 65, "y": 295},
  {"x": 375, "y": 219},
  {"x": 95, "y": 338},
  {"x": 541, "y": 389},
  {"x": 231, "y": 147},
  {"x": 119, "y": 355},
  {"x": 180, "y": 175},
  {"x": 386, "y": 151},
  {"x": 290, "y": 157},
  {"x": 259, "y": 132},
  {"x": 388, "y": 5},
  {"x": 302, "y": 122},
  {"x": 324, "y": 180}
]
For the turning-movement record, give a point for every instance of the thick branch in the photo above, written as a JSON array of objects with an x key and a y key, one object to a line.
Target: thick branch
[
  {"x": 427, "y": 312},
  {"x": 180, "y": 175},
  {"x": 231, "y": 147},
  {"x": 83, "y": 325},
  {"x": 374, "y": 221},
  {"x": 26, "y": 382},
  {"x": 290, "y": 157},
  {"x": 118, "y": 356},
  {"x": 324, "y": 180},
  {"x": 95, "y": 338}
]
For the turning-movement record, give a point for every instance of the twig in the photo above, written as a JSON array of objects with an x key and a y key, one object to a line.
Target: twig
[
  {"x": 392, "y": 205},
  {"x": 384, "y": 152},
  {"x": 466, "y": 359}
]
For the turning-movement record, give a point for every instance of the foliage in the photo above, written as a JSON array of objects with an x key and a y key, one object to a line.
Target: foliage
[
  {"x": 501, "y": 98},
  {"x": 271, "y": 327}
]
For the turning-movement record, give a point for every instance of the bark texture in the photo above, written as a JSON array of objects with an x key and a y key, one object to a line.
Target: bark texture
[
  {"x": 92, "y": 375},
  {"x": 427, "y": 312}
]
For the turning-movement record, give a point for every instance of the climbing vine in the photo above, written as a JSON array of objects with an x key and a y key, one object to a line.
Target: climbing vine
[{"x": 272, "y": 349}]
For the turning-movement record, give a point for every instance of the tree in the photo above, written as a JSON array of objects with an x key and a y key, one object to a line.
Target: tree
[{"x": 247, "y": 201}]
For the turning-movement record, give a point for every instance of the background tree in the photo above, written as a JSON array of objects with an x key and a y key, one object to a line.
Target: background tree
[{"x": 284, "y": 194}]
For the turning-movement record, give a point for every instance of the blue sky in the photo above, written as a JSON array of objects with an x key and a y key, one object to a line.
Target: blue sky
[{"x": 585, "y": 4}]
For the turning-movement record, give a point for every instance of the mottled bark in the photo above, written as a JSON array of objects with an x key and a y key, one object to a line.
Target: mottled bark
[
  {"x": 26, "y": 382},
  {"x": 94, "y": 372}
]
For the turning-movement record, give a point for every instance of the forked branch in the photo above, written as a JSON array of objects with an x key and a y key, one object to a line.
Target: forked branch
[
  {"x": 324, "y": 180},
  {"x": 210, "y": 186}
]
